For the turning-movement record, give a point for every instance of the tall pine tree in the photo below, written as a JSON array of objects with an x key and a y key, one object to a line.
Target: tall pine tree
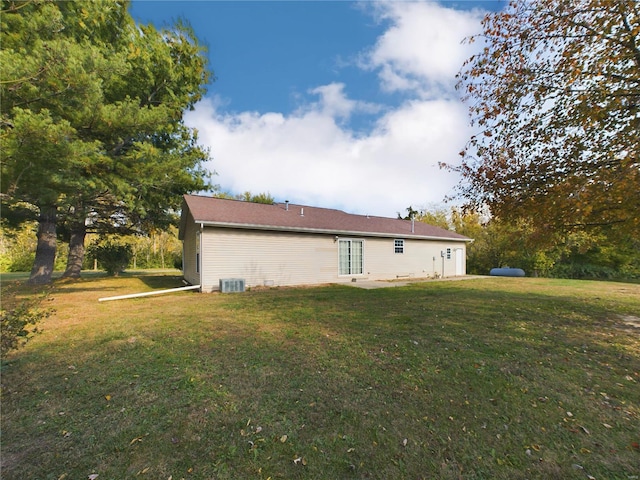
[{"x": 92, "y": 131}]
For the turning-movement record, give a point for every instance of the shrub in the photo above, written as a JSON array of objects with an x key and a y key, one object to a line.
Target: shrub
[
  {"x": 114, "y": 257},
  {"x": 19, "y": 324},
  {"x": 177, "y": 261}
]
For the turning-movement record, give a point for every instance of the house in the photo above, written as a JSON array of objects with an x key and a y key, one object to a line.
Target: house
[{"x": 286, "y": 244}]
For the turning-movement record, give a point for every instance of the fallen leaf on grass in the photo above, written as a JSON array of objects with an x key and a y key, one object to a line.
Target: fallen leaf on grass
[
  {"x": 107, "y": 398},
  {"x": 635, "y": 445},
  {"x": 135, "y": 440},
  {"x": 606, "y": 425},
  {"x": 93, "y": 476},
  {"x": 283, "y": 438}
]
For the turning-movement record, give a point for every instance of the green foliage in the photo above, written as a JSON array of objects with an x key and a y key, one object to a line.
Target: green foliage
[
  {"x": 158, "y": 249},
  {"x": 112, "y": 254},
  {"x": 18, "y": 247},
  {"x": 91, "y": 115},
  {"x": 19, "y": 324},
  {"x": 438, "y": 216},
  {"x": 597, "y": 260},
  {"x": 518, "y": 244},
  {"x": 264, "y": 197}
]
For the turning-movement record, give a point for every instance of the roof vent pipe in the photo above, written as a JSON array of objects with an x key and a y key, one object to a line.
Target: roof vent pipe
[
  {"x": 286, "y": 205},
  {"x": 302, "y": 212},
  {"x": 413, "y": 225}
]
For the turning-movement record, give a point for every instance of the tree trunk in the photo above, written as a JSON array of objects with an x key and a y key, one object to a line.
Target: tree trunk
[
  {"x": 76, "y": 250},
  {"x": 46, "y": 249}
]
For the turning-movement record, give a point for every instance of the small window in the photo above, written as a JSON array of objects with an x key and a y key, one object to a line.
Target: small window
[
  {"x": 448, "y": 254},
  {"x": 398, "y": 246}
]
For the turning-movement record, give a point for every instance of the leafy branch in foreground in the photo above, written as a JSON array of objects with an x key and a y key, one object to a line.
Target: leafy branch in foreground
[
  {"x": 555, "y": 95},
  {"x": 20, "y": 323}
]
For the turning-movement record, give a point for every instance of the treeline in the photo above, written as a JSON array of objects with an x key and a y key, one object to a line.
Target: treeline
[
  {"x": 158, "y": 249},
  {"x": 113, "y": 252},
  {"x": 569, "y": 254}
]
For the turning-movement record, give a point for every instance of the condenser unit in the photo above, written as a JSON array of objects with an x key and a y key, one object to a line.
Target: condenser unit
[{"x": 231, "y": 285}]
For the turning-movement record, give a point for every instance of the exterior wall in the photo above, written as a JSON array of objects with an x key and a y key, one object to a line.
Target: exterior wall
[
  {"x": 267, "y": 258},
  {"x": 283, "y": 258},
  {"x": 421, "y": 258},
  {"x": 189, "y": 258}
]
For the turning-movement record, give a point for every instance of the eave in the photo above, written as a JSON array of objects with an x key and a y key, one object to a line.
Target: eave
[{"x": 277, "y": 228}]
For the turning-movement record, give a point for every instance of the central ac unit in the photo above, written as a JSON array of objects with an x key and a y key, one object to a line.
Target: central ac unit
[{"x": 231, "y": 285}]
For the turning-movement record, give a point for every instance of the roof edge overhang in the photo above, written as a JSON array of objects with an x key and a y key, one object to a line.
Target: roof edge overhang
[{"x": 277, "y": 228}]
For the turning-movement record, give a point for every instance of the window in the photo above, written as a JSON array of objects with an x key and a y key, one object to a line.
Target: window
[
  {"x": 448, "y": 254},
  {"x": 350, "y": 257},
  {"x": 398, "y": 246}
]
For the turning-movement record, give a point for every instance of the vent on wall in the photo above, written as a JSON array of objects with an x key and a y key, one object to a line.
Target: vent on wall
[{"x": 231, "y": 285}]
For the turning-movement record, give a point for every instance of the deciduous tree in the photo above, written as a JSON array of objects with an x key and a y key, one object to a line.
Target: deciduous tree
[{"x": 555, "y": 95}]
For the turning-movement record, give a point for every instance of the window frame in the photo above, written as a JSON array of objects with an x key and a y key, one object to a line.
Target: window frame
[
  {"x": 351, "y": 256},
  {"x": 398, "y": 245}
]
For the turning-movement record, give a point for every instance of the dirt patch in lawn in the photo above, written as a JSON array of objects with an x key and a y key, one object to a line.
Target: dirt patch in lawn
[{"x": 630, "y": 321}]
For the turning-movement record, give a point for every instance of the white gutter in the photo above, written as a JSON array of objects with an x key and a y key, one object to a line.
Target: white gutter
[
  {"x": 147, "y": 294},
  {"x": 247, "y": 226}
]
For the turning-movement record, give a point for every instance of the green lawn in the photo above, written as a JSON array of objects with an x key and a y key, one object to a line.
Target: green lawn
[{"x": 496, "y": 378}]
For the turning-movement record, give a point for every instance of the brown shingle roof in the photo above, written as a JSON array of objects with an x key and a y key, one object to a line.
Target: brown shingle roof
[{"x": 235, "y": 213}]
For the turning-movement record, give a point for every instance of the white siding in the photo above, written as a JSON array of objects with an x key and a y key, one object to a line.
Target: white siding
[
  {"x": 421, "y": 258},
  {"x": 282, "y": 258},
  {"x": 267, "y": 258}
]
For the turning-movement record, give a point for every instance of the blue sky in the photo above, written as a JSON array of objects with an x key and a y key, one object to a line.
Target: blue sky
[{"x": 334, "y": 104}]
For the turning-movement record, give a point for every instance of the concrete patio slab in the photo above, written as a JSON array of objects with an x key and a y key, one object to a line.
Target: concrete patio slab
[{"x": 374, "y": 284}]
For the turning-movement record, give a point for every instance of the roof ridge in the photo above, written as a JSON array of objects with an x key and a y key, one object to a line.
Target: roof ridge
[{"x": 297, "y": 217}]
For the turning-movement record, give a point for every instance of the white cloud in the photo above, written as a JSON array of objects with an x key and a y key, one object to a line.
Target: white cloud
[
  {"x": 311, "y": 156},
  {"x": 423, "y": 49},
  {"x": 334, "y": 103}
]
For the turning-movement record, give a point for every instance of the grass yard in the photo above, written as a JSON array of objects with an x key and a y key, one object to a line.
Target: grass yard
[{"x": 496, "y": 378}]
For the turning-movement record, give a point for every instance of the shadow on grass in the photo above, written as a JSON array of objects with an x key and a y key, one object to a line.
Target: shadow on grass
[{"x": 428, "y": 381}]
